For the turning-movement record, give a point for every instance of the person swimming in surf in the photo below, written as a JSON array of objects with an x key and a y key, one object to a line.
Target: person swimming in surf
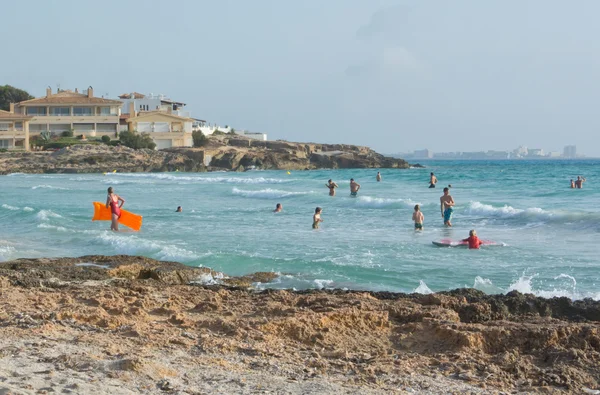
[
  {"x": 432, "y": 180},
  {"x": 579, "y": 182},
  {"x": 179, "y": 209},
  {"x": 378, "y": 177},
  {"x": 418, "y": 217},
  {"x": 473, "y": 240},
  {"x": 354, "y": 187},
  {"x": 446, "y": 204},
  {"x": 112, "y": 201},
  {"x": 278, "y": 208},
  {"x": 331, "y": 185},
  {"x": 317, "y": 218}
]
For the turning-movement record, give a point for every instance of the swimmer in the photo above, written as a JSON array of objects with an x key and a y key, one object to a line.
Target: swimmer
[
  {"x": 418, "y": 217},
  {"x": 112, "y": 201},
  {"x": 446, "y": 204},
  {"x": 331, "y": 185},
  {"x": 378, "y": 178},
  {"x": 473, "y": 240},
  {"x": 317, "y": 218},
  {"x": 354, "y": 187},
  {"x": 178, "y": 209},
  {"x": 579, "y": 182},
  {"x": 572, "y": 184},
  {"x": 278, "y": 208},
  {"x": 432, "y": 180}
]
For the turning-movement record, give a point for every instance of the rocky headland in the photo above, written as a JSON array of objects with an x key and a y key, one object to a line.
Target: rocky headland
[
  {"x": 233, "y": 153},
  {"x": 123, "y": 324}
]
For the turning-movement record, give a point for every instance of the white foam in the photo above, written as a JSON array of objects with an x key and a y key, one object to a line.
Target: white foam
[
  {"x": 200, "y": 179},
  {"x": 15, "y": 174},
  {"x": 48, "y": 187},
  {"x": 208, "y": 279},
  {"x": 321, "y": 284},
  {"x": 9, "y": 207},
  {"x": 45, "y": 215},
  {"x": 267, "y": 193},
  {"x": 5, "y": 251},
  {"x": 47, "y": 226},
  {"x": 422, "y": 288},
  {"x": 28, "y": 209},
  {"x": 133, "y": 245},
  {"x": 373, "y": 202}
]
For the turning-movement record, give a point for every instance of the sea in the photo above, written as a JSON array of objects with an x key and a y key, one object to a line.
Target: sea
[{"x": 548, "y": 234}]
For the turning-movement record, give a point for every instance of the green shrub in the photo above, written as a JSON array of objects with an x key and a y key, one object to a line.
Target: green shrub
[
  {"x": 137, "y": 140},
  {"x": 199, "y": 138},
  {"x": 67, "y": 133},
  {"x": 105, "y": 139},
  {"x": 114, "y": 143},
  {"x": 56, "y": 145},
  {"x": 218, "y": 133}
]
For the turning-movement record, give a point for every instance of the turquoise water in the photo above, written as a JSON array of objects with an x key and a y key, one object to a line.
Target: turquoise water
[{"x": 549, "y": 232}]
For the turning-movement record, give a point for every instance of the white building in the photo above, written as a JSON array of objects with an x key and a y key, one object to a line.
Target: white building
[{"x": 570, "y": 151}]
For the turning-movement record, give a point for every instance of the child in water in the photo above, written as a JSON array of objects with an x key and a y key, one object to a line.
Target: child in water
[
  {"x": 278, "y": 208},
  {"x": 473, "y": 240},
  {"x": 317, "y": 218},
  {"x": 418, "y": 217}
]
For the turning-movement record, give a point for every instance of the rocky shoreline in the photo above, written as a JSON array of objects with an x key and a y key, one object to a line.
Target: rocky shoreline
[
  {"x": 230, "y": 153},
  {"x": 123, "y": 324}
]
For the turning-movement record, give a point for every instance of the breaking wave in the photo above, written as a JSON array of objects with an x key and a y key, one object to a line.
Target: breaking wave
[{"x": 267, "y": 193}]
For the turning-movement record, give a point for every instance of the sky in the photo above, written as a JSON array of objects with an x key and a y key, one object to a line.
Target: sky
[{"x": 394, "y": 75}]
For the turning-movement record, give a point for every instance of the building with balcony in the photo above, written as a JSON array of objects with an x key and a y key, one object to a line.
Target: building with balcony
[
  {"x": 167, "y": 130},
  {"x": 14, "y": 130},
  {"x": 151, "y": 102},
  {"x": 68, "y": 110}
]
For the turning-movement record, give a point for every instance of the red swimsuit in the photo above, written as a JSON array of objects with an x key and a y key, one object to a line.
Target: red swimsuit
[{"x": 114, "y": 207}]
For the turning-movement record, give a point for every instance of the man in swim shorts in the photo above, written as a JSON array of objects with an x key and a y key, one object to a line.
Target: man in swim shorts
[
  {"x": 446, "y": 204},
  {"x": 354, "y": 187},
  {"x": 432, "y": 180}
]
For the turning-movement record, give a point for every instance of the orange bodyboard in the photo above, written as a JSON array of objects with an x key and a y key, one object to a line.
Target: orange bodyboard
[{"x": 101, "y": 213}]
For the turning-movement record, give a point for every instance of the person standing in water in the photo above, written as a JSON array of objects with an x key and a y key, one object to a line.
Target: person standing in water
[
  {"x": 112, "y": 201},
  {"x": 432, "y": 180},
  {"x": 418, "y": 217},
  {"x": 354, "y": 187},
  {"x": 579, "y": 182},
  {"x": 278, "y": 208},
  {"x": 572, "y": 184},
  {"x": 378, "y": 178},
  {"x": 446, "y": 204},
  {"x": 317, "y": 218},
  {"x": 331, "y": 185}
]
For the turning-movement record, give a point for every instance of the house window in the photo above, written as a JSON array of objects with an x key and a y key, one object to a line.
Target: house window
[
  {"x": 19, "y": 125},
  {"x": 36, "y": 111},
  {"x": 4, "y": 126},
  {"x": 104, "y": 110},
  {"x": 4, "y": 143},
  {"x": 60, "y": 111},
  {"x": 78, "y": 111}
]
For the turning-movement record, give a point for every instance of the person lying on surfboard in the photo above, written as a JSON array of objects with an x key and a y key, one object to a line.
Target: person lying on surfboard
[
  {"x": 473, "y": 240},
  {"x": 113, "y": 200}
]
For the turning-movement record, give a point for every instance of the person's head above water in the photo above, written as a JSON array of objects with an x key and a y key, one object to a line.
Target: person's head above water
[
  {"x": 110, "y": 190},
  {"x": 352, "y": 179},
  {"x": 278, "y": 205},
  {"x": 472, "y": 232},
  {"x": 318, "y": 210},
  {"x": 446, "y": 190},
  {"x": 329, "y": 181},
  {"x": 417, "y": 207},
  {"x": 178, "y": 209},
  {"x": 579, "y": 177},
  {"x": 431, "y": 173}
]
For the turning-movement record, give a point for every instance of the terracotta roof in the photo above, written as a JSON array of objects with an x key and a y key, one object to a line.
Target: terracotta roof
[
  {"x": 146, "y": 114},
  {"x": 12, "y": 115},
  {"x": 136, "y": 95},
  {"x": 69, "y": 97}
]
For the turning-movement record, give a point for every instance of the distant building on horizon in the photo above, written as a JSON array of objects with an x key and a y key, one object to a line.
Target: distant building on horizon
[
  {"x": 423, "y": 154},
  {"x": 570, "y": 151}
]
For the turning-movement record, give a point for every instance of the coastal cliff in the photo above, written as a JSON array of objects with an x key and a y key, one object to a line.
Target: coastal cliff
[
  {"x": 220, "y": 153},
  {"x": 123, "y": 323}
]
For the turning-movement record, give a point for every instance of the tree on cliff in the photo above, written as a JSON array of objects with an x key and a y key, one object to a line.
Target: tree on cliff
[
  {"x": 199, "y": 138},
  {"x": 136, "y": 140},
  {"x": 10, "y": 94}
]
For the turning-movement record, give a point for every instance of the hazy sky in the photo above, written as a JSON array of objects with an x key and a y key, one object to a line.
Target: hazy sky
[{"x": 394, "y": 75}]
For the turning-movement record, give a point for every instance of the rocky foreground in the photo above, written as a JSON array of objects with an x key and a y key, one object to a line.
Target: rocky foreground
[
  {"x": 234, "y": 153},
  {"x": 123, "y": 325}
]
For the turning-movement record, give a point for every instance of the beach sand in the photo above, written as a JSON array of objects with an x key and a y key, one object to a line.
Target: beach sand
[{"x": 129, "y": 325}]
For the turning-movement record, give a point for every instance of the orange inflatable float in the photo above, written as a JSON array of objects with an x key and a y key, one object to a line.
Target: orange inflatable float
[{"x": 101, "y": 213}]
